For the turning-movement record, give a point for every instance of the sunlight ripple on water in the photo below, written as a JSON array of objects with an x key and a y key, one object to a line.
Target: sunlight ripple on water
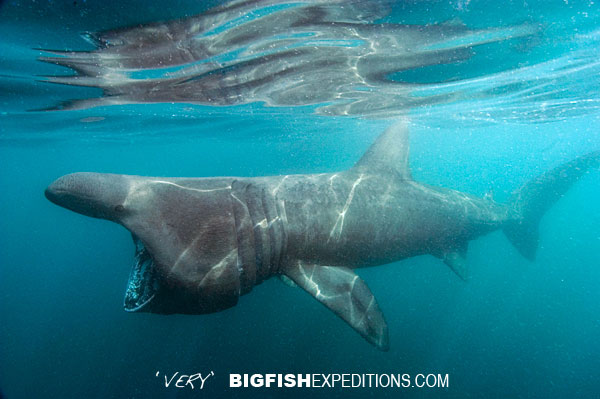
[{"x": 330, "y": 57}]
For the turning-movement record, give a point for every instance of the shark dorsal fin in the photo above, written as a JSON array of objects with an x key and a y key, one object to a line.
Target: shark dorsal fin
[{"x": 389, "y": 153}]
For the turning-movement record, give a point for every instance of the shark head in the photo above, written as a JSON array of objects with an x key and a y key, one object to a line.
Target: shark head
[
  {"x": 96, "y": 195},
  {"x": 186, "y": 257}
]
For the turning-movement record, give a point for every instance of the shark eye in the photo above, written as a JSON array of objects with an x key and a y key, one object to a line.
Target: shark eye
[{"x": 119, "y": 208}]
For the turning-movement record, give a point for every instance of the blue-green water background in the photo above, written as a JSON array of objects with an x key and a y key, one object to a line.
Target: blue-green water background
[{"x": 516, "y": 329}]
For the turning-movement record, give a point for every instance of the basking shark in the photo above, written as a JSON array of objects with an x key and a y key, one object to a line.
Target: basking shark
[{"x": 201, "y": 243}]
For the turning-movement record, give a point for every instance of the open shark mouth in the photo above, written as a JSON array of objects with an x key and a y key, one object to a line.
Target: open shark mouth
[{"x": 143, "y": 284}]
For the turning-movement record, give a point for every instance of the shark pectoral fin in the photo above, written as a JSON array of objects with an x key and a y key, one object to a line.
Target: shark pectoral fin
[
  {"x": 457, "y": 261},
  {"x": 347, "y": 295}
]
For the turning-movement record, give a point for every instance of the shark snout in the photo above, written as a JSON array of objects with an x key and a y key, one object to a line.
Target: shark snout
[
  {"x": 53, "y": 192},
  {"x": 59, "y": 190},
  {"x": 92, "y": 194}
]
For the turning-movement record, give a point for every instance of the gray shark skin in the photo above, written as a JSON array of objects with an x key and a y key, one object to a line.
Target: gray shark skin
[{"x": 201, "y": 243}]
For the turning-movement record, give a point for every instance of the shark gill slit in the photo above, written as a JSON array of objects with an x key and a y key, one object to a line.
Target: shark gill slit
[
  {"x": 268, "y": 230},
  {"x": 256, "y": 216},
  {"x": 246, "y": 262},
  {"x": 280, "y": 209},
  {"x": 263, "y": 228},
  {"x": 274, "y": 226}
]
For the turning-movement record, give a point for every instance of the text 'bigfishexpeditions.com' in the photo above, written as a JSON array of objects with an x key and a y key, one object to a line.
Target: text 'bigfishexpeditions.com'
[{"x": 334, "y": 380}]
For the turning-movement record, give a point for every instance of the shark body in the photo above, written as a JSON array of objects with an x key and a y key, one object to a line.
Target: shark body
[{"x": 201, "y": 243}]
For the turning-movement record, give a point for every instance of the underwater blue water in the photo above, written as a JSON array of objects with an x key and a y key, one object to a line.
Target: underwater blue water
[{"x": 516, "y": 329}]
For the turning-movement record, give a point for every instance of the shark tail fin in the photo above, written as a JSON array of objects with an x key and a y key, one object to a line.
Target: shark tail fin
[{"x": 532, "y": 200}]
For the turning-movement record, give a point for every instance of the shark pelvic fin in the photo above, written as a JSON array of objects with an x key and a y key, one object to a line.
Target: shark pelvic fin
[
  {"x": 389, "y": 153},
  {"x": 287, "y": 281},
  {"x": 347, "y": 295},
  {"x": 455, "y": 257},
  {"x": 457, "y": 261}
]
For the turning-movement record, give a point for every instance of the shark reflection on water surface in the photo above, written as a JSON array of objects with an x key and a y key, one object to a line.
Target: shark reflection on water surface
[{"x": 327, "y": 54}]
